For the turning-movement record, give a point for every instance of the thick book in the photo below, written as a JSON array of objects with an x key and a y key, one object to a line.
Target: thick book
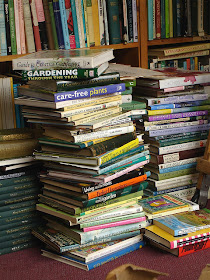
[
  {"x": 71, "y": 95},
  {"x": 64, "y": 74},
  {"x": 157, "y": 234},
  {"x": 80, "y": 58},
  {"x": 184, "y": 223}
]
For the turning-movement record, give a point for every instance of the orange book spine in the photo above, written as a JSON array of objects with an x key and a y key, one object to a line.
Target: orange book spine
[{"x": 117, "y": 186}]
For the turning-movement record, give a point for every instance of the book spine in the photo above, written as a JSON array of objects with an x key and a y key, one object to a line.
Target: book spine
[
  {"x": 16, "y": 180},
  {"x": 106, "y": 29},
  {"x": 18, "y": 187},
  {"x": 80, "y": 24},
  {"x": 16, "y": 247},
  {"x": 158, "y": 19},
  {"x": 150, "y": 19},
  {"x": 70, "y": 25},
  {"x": 22, "y": 27},
  {"x": 179, "y": 130},
  {"x": 101, "y": 22},
  {"x": 48, "y": 23},
  {"x": 52, "y": 24},
  {"x": 190, "y": 240},
  {"x": 12, "y": 26},
  {"x": 95, "y": 20},
  {"x": 119, "y": 186},
  {"x": 41, "y": 24},
  {"x": 130, "y": 20},
  {"x": 113, "y": 21},
  {"x": 177, "y": 168},
  {"x": 7, "y": 26},
  {"x": 89, "y": 92},
  {"x": 15, "y": 242},
  {"x": 169, "y": 190},
  {"x": 135, "y": 23},
  {"x": 178, "y": 115},
  {"x": 116, "y": 255},
  {"x": 64, "y": 24},
  {"x": 27, "y": 195},
  {"x": 10, "y": 213},
  {"x": 3, "y": 30},
  {"x": 81, "y": 9},
  {"x": 119, "y": 223},
  {"x": 8, "y": 233},
  {"x": 162, "y": 19},
  {"x": 90, "y": 22},
  {"x": 85, "y": 23},
  {"x": 167, "y": 24},
  {"x": 75, "y": 23},
  {"x": 178, "y": 163},
  {"x": 28, "y": 27},
  {"x": 170, "y": 18},
  {"x": 17, "y": 26},
  {"x": 125, "y": 22},
  {"x": 170, "y": 175},
  {"x": 58, "y": 24},
  {"x": 35, "y": 26},
  {"x": 200, "y": 18},
  {"x": 154, "y": 21},
  {"x": 193, "y": 247},
  {"x": 182, "y": 147}
]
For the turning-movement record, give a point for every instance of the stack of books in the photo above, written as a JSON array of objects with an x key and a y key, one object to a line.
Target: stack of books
[
  {"x": 180, "y": 234},
  {"x": 176, "y": 128},
  {"x": 93, "y": 158},
  {"x": 19, "y": 189}
]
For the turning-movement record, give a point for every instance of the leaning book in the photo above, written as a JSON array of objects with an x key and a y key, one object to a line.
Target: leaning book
[{"x": 79, "y": 58}]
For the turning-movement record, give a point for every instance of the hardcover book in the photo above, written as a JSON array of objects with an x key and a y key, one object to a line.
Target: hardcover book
[{"x": 80, "y": 58}]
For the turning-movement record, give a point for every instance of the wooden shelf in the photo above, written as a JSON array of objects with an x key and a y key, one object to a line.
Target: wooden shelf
[{"x": 178, "y": 40}]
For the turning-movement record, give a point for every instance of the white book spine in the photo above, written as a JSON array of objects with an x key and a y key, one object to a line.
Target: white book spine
[
  {"x": 182, "y": 147},
  {"x": 101, "y": 134},
  {"x": 172, "y": 125},
  {"x": 177, "y": 163},
  {"x": 101, "y": 22},
  {"x": 105, "y": 23},
  {"x": 154, "y": 123},
  {"x": 80, "y": 24},
  {"x": 185, "y": 193}
]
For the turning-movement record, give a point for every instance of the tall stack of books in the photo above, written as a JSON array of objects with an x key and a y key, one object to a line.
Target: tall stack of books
[
  {"x": 176, "y": 127},
  {"x": 19, "y": 189},
  {"x": 93, "y": 159},
  {"x": 180, "y": 234}
]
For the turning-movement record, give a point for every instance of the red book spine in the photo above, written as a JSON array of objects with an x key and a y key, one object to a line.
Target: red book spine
[
  {"x": 157, "y": 19},
  {"x": 188, "y": 64},
  {"x": 35, "y": 26},
  {"x": 192, "y": 248}
]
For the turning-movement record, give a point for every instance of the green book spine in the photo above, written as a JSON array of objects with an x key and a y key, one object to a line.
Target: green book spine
[
  {"x": 11, "y": 213},
  {"x": 170, "y": 142},
  {"x": 21, "y": 228},
  {"x": 134, "y": 105},
  {"x": 15, "y": 242},
  {"x": 20, "y": 223},
  {"x": 129, "y": 90},
  {"x": 21, "y": 196},
  {"x": 18, "y": 180},
  {"x": 174, "y": 174},
  {"x": 52, "y": 18},
  {"x": 14, "y": 219},
  {"x": 113, "y": 21},
  {"x": 16, "y": 235},
  {"x": 18, "y": 247},
  {"x": 17, "y": 205},
  {"x": 167, "y": 18},
  {"x": 12, "y": 26},
  {"x": 111, "y": 220},
  {"x": 19, "y": 187}
]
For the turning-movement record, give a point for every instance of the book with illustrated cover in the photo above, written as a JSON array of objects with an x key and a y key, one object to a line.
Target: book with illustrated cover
[
  {"x": 183, "y": 223},
  {"x": 79, "y": 58},
  {"x": 164, "y": 238}
]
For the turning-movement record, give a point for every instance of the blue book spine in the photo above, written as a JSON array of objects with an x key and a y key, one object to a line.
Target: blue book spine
[
  {"x": 18, "y": 114},
  {"x": 172, "y": 189},
  {"x": 58, "y": 24},
  {"x": 178, "y": 17},
  {"x": 88, "y": 92},
  {"x": 189, "y": 109},
  {"x": 179, "y": 130},
  {"x": 177, "y": 105},
  {"x": 176, "y": 168},
  {"x": 163, "y": 19},
  {"x": 83, "y": 19},
  {"x": 124, "y": 161},
  {"x": 3, "y": 30},
  {"x": 115, "y": 255},
  {"x": 64, "y": 24},
  {"x": 74, "y": 16},
  {"x": 150, "y": 19}
]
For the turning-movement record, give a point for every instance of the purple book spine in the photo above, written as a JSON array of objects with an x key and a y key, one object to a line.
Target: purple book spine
[
  {"x": 179, "y": 130},
  {"x": 177, "y": 116}
]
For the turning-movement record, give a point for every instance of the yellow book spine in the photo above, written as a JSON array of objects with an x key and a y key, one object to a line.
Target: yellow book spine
[
  {"x": 123, "y": 149},
  {"x": 159, "y": 112},
  {"x": 88, "y": 4},
  {"x": 196, "y": 62},
  {"x": 86, "y": 23},
  {"x": 96, "y": 22}
]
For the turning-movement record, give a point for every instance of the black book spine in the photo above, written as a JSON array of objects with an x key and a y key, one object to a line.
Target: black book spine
[{"x": 7, "y": 26}]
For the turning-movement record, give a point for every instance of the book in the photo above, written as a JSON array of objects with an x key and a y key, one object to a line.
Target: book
[
  {"x": 175, "y": 116},
  {"x": 165, "y": 204},
  {"x": 41, "y": 24},
  {"x": 172, "y": 174},
  {"x": 97, "y": 262},
  {"x": 157, "y": 234},
  {"x": 181, "y": 251},
  {"x": 113, "y": 21},
  {"x": 184, "y": 223},
  {"x": 35, "y": 25},
  {"x": 47, "y": 6},
  {"x": 12, "y": 26},
  {"x": 79, "y": 58},
  {"x": 64, "y": 74},
  {"x": 28, "y": 27},
  {"x": 3, "y": 29}
]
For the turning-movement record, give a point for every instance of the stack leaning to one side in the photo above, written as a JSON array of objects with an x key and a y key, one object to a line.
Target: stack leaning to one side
[
  {"x": 93, "y": 161},
  {"x": 176, "y": 128}
]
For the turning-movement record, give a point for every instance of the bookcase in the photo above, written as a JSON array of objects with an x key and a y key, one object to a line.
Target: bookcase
[{"x": 135, "y": 54}]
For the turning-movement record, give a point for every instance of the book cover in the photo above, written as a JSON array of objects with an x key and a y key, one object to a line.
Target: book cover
[
  {"x": 172, "y": 242},
  {"x": 183, "y": 223},
  {"x": 81, "y": 58}
]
